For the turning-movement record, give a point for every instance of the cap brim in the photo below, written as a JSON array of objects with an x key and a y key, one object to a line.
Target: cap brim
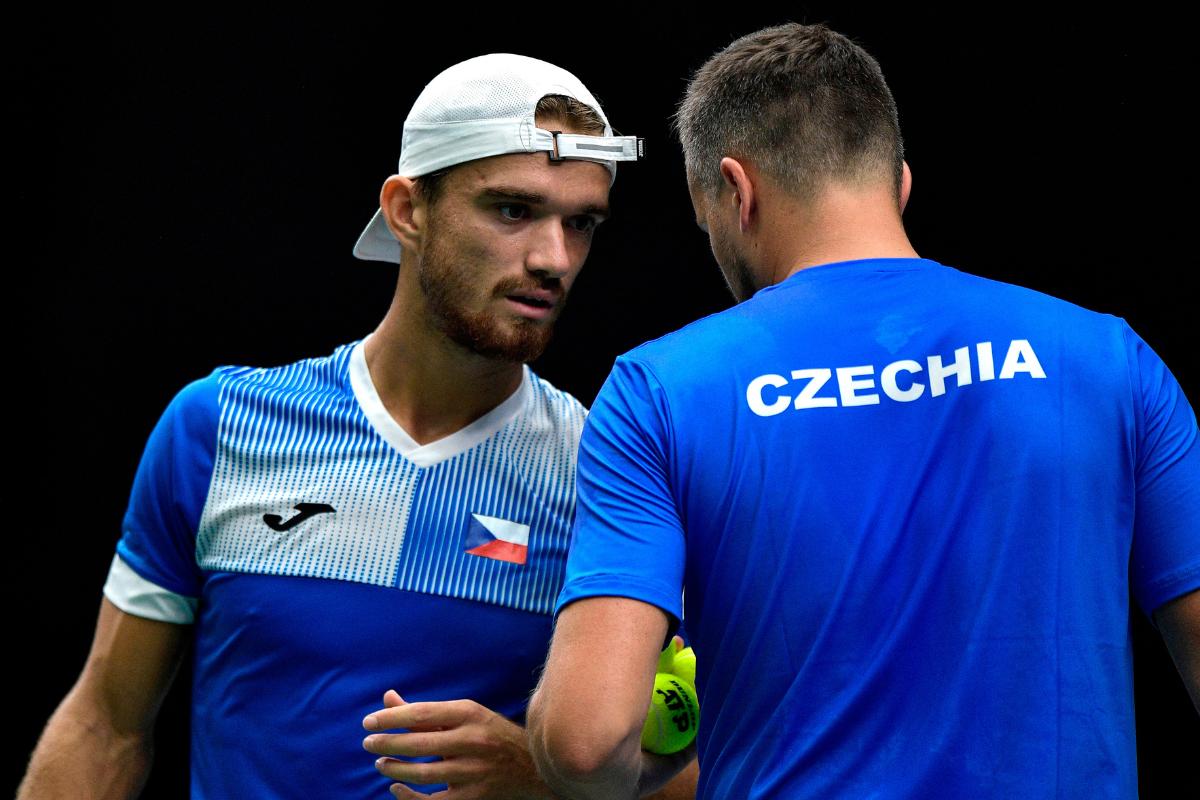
[{"x": 377, "y": 243}]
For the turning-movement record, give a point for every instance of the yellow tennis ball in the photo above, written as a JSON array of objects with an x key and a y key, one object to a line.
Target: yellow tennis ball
[
  {"x": 674, "y": 715},
  {"x": 666, "y": 659},
  {"x": 685, "y": 665},
  {"x": 676, "y": 659}
]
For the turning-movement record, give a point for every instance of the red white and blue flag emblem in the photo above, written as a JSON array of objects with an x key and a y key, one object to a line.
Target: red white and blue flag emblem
[{"x": 501, "y": 539}]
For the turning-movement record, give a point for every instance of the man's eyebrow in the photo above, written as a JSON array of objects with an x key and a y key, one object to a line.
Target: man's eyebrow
[
  {"x": 511, "y": 193},
  {"x": 522, "y": 196},
  {"x": 597, "y": 211}
]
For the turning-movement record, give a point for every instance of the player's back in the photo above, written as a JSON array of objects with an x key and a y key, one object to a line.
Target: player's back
[{"x": 909, "y": 496}]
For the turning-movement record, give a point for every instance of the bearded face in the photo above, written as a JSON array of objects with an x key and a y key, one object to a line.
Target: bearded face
[
  {"x": 469, "y": 306},
  {"x": 498, "y": 246}
]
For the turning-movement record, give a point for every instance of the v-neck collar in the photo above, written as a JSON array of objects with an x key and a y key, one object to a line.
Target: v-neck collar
[{"x": 426, "y": 455}]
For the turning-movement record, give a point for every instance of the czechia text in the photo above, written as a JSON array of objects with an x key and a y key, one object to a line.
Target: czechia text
[{"x": 899, "y": 381}]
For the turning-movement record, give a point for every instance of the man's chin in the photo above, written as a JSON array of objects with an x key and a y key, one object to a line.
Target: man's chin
[{"x": 519, "y": 344}]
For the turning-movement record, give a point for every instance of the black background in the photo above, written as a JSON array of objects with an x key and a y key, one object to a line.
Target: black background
[{"x": 188, "y": 192}]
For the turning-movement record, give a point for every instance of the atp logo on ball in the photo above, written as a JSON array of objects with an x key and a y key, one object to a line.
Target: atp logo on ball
[
  {"x": 674, "y": 715},
  {"x": 680, "y": 704}
]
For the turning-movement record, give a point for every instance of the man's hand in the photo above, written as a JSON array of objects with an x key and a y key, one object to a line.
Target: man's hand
[{"x": 483, "y": 755}]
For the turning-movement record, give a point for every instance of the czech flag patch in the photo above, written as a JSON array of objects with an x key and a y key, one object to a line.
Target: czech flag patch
[{"x": 501, "y": 539}]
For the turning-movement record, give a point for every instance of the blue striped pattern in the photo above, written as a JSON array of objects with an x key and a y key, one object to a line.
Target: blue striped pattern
[
  {"x": 524, "y": 473},
  {"x": 297, "y": 434}
]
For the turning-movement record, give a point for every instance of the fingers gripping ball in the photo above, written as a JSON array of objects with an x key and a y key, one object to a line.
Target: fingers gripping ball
[
  {"x": 674, "y": 715},
  {"x": 678, "y": 660}
]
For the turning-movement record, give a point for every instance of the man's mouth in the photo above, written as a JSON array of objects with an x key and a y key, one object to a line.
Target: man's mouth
[
  {"x": 529, "y": 301},
  {"x": 535, "y": 303}
]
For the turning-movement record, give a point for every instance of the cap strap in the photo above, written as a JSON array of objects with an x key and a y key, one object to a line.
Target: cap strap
[{"x": 597, "y": 148}]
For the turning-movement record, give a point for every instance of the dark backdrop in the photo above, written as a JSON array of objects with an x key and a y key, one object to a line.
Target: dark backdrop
[{"x": 192, "y": 189}]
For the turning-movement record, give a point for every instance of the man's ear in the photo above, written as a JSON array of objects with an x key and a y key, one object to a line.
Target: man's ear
[
  {"x": 905, "y": 185},
  {"x": 403, "y": 210},
  {"x": 733, "y": 172}
]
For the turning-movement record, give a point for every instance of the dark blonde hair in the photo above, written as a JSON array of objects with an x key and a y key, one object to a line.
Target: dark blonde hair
[{"x": 803, "y": 103}]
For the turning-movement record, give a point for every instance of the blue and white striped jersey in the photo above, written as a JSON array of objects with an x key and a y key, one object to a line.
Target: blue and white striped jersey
[{"x": 325, "y": 557}]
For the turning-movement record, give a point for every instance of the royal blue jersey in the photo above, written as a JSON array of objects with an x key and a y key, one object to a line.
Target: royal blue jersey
[
  {"x": 325, "y": 557},
  {"x": 908, "y": 507}
]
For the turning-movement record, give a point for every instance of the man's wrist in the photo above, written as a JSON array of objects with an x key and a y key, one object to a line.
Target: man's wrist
[{"x": 659, "y": 769}]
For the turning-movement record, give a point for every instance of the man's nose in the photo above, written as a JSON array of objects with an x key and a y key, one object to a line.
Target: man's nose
[{"x": 549, "y": 254}]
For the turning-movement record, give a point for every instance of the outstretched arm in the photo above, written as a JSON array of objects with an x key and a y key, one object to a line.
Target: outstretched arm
[
  {"x": 98, "y": 743},
  {"x": 1179, "y": 622},
  {"x": 585, "y": 720}
]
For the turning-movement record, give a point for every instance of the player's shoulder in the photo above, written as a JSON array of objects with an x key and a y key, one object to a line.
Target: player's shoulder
[
  {"x": 191, "y": 415},
  {"x": 198, "y": 404},
  {"x": 317, "y": 375},
  {"x": 552, "y": 409},
  {"x": 1023, "y": 299},
  {"x": 944, "y": 291},
  {"x": 711, "y": 339},
  {"x": 1099, "y": 340}
]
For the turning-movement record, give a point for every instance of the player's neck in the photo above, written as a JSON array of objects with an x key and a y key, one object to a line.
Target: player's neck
[
  {"x": 841, "y": 226},
  {"x": 431, "y": 386}
]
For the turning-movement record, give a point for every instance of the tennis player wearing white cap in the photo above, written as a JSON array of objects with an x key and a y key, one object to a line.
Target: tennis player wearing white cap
[{"x": 393, "y": 516}]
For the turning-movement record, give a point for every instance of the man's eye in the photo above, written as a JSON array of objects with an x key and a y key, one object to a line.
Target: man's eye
[
  {"x": 583, "y": 224},
  {"x": 513, "y": 211}
]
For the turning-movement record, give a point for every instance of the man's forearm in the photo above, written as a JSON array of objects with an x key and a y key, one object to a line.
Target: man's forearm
[
  {"x": 1179, "y": 623},
  {"x": 589, "y": 746},
  {"x": 81, "y": 755}
]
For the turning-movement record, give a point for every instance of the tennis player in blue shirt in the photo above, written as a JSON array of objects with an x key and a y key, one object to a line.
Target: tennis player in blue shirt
[
  {"x": 906, "y": 507},
  {"x": 390, "y": 516}
]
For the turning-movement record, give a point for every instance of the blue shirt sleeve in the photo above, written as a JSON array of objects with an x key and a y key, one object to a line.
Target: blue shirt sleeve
[
  {"x": 628, "y": 538},
  {"x": 169, "y": 491},
  {"x": 1166, "y": 538}
]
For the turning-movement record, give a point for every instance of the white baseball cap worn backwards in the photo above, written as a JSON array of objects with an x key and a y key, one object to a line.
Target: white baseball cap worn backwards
[{"x": 483, "y": 107}]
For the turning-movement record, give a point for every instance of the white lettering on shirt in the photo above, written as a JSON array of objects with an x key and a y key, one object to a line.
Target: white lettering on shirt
[
  {"x": 754, "y": 397},
  {"x": 888, "y": 381},
  {"x": 1021, "y": 358},
  {"x": 808, "y": 395},
  {"x": 987, "y": 367},
  {"x": 960, "y": 369},
  {"x": 848, "y": 386},
  {"x": 855, "y": 383}
]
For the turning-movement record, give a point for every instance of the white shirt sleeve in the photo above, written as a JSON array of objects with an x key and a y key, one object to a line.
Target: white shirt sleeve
[{"x": 135, "y": 595}]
